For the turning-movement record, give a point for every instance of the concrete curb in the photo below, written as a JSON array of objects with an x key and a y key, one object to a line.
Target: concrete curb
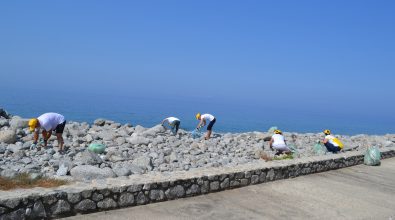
[{"x": 107, "y": 194}]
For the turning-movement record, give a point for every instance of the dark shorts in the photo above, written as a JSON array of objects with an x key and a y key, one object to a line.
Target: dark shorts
[
  {"x": 332, "y": 148},
  {"x": 59, "y": 129},
  {"x": 210, "y": 125},
  {"x": 176, "y": 125}
]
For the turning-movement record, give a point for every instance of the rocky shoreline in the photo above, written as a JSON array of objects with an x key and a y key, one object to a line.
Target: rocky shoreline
[{"x": 137, "y": 150}]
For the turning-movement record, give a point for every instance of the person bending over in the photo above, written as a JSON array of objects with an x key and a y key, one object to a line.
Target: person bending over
[
  {"x": 277, "y": 142},
  {"x": 202, "y": 122},
  {"x": 173, "y": 122},
  {"x": 331, "y": 143},
  {"x": 48, "y": 122}
]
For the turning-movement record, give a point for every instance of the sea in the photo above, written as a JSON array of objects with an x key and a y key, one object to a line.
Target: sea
[{"x": 235, "y": 117}]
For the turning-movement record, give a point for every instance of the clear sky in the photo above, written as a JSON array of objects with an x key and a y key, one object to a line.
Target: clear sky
[{"x": 331, "y": 54}]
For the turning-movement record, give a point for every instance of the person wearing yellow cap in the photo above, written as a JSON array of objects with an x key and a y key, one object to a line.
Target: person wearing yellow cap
[
  {"x": 203, "y": 120},
  {"x": 278, "y": 143},
  {"x": 48, "y": 122},
  {"x": 331, "y": 143}
]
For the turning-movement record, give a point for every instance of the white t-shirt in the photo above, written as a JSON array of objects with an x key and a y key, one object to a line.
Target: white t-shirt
[
  {"x": 330, "y": 140},
  {"x": 171, "y": 120},
  {"x": 278, "y": 141},
  {"x": 49, "y": 121},
  {"x": 207, "y": 117}
]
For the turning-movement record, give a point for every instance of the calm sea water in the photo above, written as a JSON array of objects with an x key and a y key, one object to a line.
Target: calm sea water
[{"x": 231, "y": 117}]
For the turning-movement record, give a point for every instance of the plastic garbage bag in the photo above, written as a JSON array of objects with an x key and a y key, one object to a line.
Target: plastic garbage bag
[
  {"x": 97, "y": 148},
  {"x": 372, "y": 156},
  {"x": 295, "y": 152},
  {"x": 319, "y": 149},
  {"x": 196, "y": 134},
  {"x": 272, "y": 129}
]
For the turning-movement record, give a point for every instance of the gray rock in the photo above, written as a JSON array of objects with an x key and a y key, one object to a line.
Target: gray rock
[
  {"x": 4, "y": 122},
  {"x": 62, "y": 171},
  {"x": 11, "y": 203},
  {"x": 126, "y": 199},
  {"x": 107, "y": 204},
  {"x": 87, "y": 158},
  {"x": 157, "y": 195},
  {"x": 121, "y": 171},
  {"x": 88, "y": 172},
  {"x": 97, "y": 197},
  {"x": 173, "y": 157},
  {"x": 214, "y": 186},
  {"x": 8, "y": 173},
  {"x": 73, "y": 197},
  {"x": 143, "y": 162},
  {"x": 18, "y": 214},
  {"x": 8, "y": 136},
  {"x": 60, "y": 207},
  {"x": 2, "y": 149},
  {"x": 141, "y": 199},
  {"x": 99, "y": 122},
  {"x": 18, "y": 122},
  {"x": 175, "y": 192},
  {"x": 26, "y": 160},
  {"x": 139, "y": 129},
  {"x": 4, "y": 114},
  {"x": 137, "y": 140},
  {"x": 154, "y": 131},
  {"x": 85, "y": 205}
]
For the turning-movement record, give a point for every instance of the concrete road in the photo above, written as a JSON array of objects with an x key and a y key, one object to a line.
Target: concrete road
[{"x": 359, "y": 192}]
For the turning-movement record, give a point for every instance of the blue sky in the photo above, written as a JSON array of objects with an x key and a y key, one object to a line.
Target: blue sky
[{"x": 332, "y": 55}]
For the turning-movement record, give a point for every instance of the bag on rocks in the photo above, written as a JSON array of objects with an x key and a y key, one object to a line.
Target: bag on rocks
[
  {"x": 196, "y": 134},
  {"x": 319, "y": 149},
  {"x": 295, "y": 152},
  {"x": 97, "y": 148},
  {"x": 372, "y": 156},
  {"x": 272, "y": 129}
]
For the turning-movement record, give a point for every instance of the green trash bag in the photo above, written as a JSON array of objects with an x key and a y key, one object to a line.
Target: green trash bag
[
  {"x": 97, "y": 148},
  {"x": 272, "y": 129},
  {"x": 295, "y": 152},
  {"x": 319, "y": 149},
  {"x": 372, "y": 156}
]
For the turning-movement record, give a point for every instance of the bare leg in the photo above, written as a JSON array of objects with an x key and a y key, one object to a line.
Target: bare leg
[
  {"x": 60, "y": 141},
  {"x": 208, "y": 135}
]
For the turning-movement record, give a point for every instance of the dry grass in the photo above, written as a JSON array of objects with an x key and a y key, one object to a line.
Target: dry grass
[{"x": 24, "y": 181}]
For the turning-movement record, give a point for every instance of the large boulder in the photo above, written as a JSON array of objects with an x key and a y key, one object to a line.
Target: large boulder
[
  {"x": 18, "y": 122},
  {"x": 87, "y": 158},
  {"x": 99, "y": 122},
  {"x": 137, "y": 140},
  {"x": 154, "y": 131},
  {"x": 4, "y": 122},
  {"x": 8, "y": 136},
  {"x": 4, "y": 114},
  {"x": 88, "y": 172},
  {"x": 143, "y": 162}
]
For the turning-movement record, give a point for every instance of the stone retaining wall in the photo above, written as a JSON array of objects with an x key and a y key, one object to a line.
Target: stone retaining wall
[{"x": 100, "y": 195}]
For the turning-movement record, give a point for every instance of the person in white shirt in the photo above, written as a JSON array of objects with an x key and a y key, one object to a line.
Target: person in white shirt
[
  {"x": 202, "y": 122},
  {"x": 48, "y": 122},
  {"x": 173, "y": 122},
  {"x": 278, "y": 143}
]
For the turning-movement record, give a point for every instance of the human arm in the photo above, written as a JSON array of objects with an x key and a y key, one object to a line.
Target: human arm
[
  {"x": 35, "y": 136},
  {"x": 202, "y": 123},
  {"x": 271, "y": 143},
  {"x": 46, "y": 136}
]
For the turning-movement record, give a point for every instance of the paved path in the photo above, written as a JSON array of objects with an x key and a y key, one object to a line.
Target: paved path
[{"x": 359, "y": 192}]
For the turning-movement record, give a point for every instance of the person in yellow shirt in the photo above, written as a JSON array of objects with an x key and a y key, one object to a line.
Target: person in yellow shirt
[{"x": 331, "y": 143}]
